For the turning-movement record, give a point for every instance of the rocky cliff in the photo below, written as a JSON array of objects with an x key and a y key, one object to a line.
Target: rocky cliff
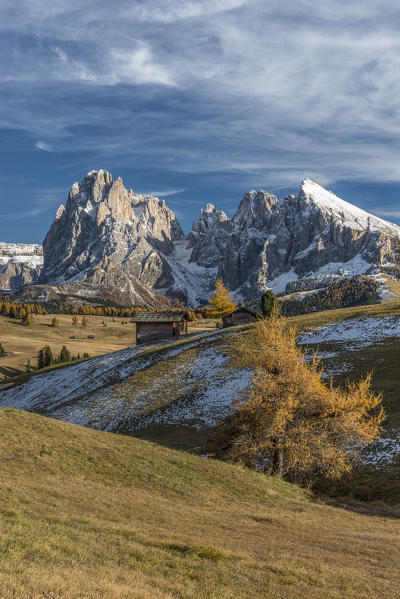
[
  {"x": 110, "y": 242},
  {"x": 20, "y": 264},
  {"x": 271, "y": 242},
  {"x": 109, "y": 239}
]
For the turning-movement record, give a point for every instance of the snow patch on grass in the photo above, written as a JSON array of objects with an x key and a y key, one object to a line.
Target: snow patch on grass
[{"x": 356, "y": 332}]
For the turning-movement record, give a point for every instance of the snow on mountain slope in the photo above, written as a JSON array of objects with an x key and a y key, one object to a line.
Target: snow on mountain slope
[
  {"x": 127, "y": 390},
  {"x": 20, "y": 264},
  {"x": 112, "y": 243},
  {"x": 350, "y": 215}
]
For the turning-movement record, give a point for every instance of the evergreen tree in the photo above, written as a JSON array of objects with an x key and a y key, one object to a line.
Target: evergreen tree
[
  {"x": 28, "y": 366},
  {"x": 84, "y": 321},
  {"x": 221, "y": 302},
  {"x": 268, "y": 303},
  {"x": 293, "y": 423},
  {"x": 75, "y": 320},
  {"x": 28, "y": 319},
  {"x": 2, "y": 352},
  {"x": 65, "y": 355},
  {"x": 48, "y": 356},
  {"x": 40, "y": 359},
  {"x": 54, "y": 322}
]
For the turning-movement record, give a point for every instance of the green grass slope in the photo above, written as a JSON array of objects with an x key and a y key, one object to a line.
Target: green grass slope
[{"x": 89, "y": 514}]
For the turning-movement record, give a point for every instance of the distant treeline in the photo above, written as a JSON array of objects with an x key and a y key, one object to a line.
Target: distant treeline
[
  {"x": 356, "y": 291},
  {"x": 22, "y": 309}
]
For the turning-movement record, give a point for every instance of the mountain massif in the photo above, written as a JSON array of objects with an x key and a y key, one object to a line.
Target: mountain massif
[
  {"x": 110, "y": 242},
  {"x": 20, "y": 264}
]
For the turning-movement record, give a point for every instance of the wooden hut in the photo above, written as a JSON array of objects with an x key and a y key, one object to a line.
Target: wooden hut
[
  {"x": 241, "y": 315},
  {"x": 152, "y": 326}
]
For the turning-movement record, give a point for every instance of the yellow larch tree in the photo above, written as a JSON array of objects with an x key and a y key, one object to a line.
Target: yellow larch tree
[
  {"x": 293, "y": 423},
  {"x": 221, "y": 302}
]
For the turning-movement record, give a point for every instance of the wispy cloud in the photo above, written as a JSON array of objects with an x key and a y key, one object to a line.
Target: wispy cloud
[
  {"x": 41, "y": 201},
  {"x": 42, "y": 145},
  {"x": 262, "y": 93},
  {"x": 176, "y": 11},
  {"x": 388, "y": 213},
  {"x": 163, "y": 194}
]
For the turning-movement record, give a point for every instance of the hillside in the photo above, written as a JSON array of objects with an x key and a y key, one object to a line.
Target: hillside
[
  {"x": 89, "y": 514},
  {"x": 107, "y": 334},
  {"x": 174, "y": 392}
]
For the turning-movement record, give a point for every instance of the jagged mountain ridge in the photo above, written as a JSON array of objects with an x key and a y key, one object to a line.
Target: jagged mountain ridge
[
  {"x": 20, "y": 264},
  {"x": 110, "y": 242}
]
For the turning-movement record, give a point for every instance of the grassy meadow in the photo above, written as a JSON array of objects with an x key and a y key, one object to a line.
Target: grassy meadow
[
  {"x": 111, "y": 334},
  {"x": 88, "y": 514}
]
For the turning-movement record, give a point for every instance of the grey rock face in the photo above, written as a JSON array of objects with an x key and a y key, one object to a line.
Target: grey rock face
[
  {"x": 270, "y": 243},
  {"x": 110, "y": 242},
  {"x": 111, "y": 238},
  {"x": 20, "y": 264}
]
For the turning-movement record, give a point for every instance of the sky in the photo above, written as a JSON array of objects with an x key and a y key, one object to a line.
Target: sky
[{"x": 197, "y": 102}]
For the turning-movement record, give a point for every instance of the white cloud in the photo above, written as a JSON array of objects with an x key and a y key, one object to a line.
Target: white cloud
[
  {"x": 138, "y": 67},
  {"x": 165, "y": 193},
  {"x": 278, "y": 91},
  {"x": 175, "y": 11},
  {"x": 42, "y": 145}
]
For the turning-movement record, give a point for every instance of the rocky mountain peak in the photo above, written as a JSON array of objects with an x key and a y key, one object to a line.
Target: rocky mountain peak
[
  {"x": 20, "y": 265},
  {"x": 112, "y": 242},
  {"x": 109, "y": 236},
  {"x": 254, "y": 209}
]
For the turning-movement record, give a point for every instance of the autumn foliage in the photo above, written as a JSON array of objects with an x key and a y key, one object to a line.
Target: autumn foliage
[
  {"x": 293, "y": 423},
  {"x": 221, "y": 302}
]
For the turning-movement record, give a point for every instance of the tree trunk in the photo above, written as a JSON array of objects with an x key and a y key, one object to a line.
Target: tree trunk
[{"x": 277, "y": 461}]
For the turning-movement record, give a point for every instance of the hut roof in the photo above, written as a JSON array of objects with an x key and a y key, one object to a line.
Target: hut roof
[
  {"x": 170, "y": 316},
  {"x": 244, "y": 309}
]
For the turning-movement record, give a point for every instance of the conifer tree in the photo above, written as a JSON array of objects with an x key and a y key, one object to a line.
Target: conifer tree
[
  {"x": 65, "y": 355},
  {"x": 28, "y": 366},
  {"x": 84, "y": 321},
  {"x": 293, "y": 423},
  {"x": 40, "y": 359},
  {"x": 28, "y": 319},
  {"x": 2, "y": 352},
  {"x": 48, "y": 356},
  {"x": 54, "y": 322},
  {"x": 268, "y": 303},
  {"x": 75, "y": 320},
  {"x": 221, "y": 302}
]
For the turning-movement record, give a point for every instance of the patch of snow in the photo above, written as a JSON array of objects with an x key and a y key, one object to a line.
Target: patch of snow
[
  {"x": 382, "y": 452},
  {"x": 351, "y": 268},
  {"x": 360, "y": 332},
  {"x": 278, "y": 284},
  {"x": 62, "y": 391},
  {"x": 190, "y": 277}
]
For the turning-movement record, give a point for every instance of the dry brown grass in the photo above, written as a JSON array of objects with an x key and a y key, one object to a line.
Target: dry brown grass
[
  {"x": 25, "y": 341},
  {"x": 89, "y": 514}
]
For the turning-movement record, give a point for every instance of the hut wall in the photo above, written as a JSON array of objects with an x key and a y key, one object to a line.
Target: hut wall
[
  {"x": 237, "y": 318},
  {"x": 242, "y": 318},
  {"x": 146, "y": 332}
]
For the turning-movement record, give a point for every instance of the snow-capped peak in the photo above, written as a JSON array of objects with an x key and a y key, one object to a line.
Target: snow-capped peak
[{"x": 350, "y": 215}]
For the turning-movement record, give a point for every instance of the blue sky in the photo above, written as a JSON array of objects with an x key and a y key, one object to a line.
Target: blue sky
[{"x": 197, "y": 101}]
